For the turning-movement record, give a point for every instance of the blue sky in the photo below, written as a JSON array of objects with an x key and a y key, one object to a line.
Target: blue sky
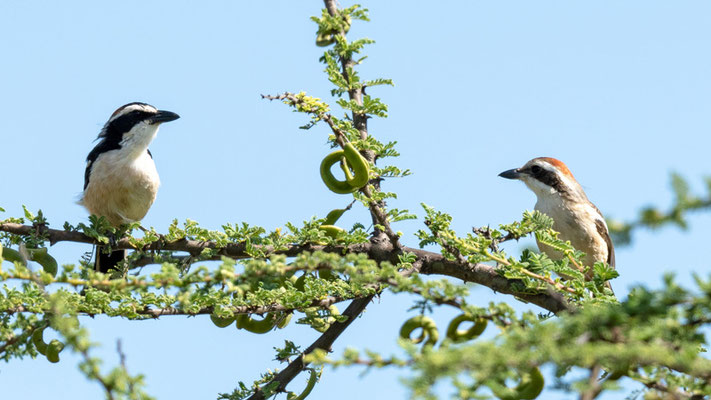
[{"x": 620, "y": 91}]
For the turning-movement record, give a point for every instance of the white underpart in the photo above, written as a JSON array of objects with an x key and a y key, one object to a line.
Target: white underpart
[
  {"x": 137, "y": 140},
  {"x": 124, "y": 183},
  {"x": 576, "y": 222}
]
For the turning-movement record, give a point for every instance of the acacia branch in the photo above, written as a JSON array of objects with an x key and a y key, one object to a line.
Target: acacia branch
[
  {"x": 159, "y": 312},
  {"x": 29, "y": 330},
  {"x": 429, "y": 263},
  {"x": 594, "y": 385},
  {"x": 324, "y": 342}
]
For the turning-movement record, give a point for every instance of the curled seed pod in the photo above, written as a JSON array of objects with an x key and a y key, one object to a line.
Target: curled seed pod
[
  {"x": 38, "y": 341},
  {"x": 354, "y": 161},
  {"x": 530, "y": 386},
  {"x": 12, "y": 255},
  {"x": 333, "y": 216},
  {"x": 53, "y": 349},
  {"x": 313, "y": 377},
  {"x": 457, "y": 336},
  {"x": 346, "y": 170},
  {"x": 300, "y": 283},
  {"x": 324, "y": 39},
  {"x": 332, "y": 231},
  {"x": 42, "y": 257},
  {"x": 619, "y": 372},
  {"x": 245, "y": 321},
  {"x": 327, "y": 274},
  {"x": 283, "y": 320},
  {"x": 327, "y": 38},
  {"x": 429, "y": 330},
  {"x": 361, "y": 168},
  {"x": 222, "y": 322}
]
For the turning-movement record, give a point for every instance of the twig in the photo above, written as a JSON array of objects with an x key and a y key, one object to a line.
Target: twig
[
  {"x": 594, "y": 384},
  {"x": 324, "y": 342}
]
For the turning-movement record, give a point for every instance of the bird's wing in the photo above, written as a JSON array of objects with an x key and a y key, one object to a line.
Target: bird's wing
[
  {"x": 602, "y": 230},
  {"x": 102, "y": 147}
]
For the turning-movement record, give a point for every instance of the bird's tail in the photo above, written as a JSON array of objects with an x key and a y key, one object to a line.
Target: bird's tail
[{"x": 106, "y": 262}]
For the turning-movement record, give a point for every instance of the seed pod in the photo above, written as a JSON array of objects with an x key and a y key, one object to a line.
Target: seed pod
[
  {"x": 429, "y": 330},
  {"x": 53, "y": 349},
  {"x": 457, "y": 336},
  {"x": 245, "y": 321},
  {"x": 222, "y": 322}
]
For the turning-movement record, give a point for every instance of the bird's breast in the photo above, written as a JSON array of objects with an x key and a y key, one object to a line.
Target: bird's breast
[
  {"x": 120, "y": 188},
  {"x": 575, "y": 223}
]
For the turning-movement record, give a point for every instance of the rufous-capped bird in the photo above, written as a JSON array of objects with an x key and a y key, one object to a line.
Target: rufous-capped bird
[{"x": 574, "y": 216}]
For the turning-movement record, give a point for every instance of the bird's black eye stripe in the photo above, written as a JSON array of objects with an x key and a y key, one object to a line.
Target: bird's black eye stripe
[
  {"x": 116, "y": 128},
  {"x": 547, "y": 177}
]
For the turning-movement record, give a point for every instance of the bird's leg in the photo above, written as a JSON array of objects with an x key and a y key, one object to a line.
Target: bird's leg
[{"x": 113, "y": 241}]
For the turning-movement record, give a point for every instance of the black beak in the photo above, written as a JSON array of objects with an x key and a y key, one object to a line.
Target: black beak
[
  {"x": 164, "y": 116},
  {"x": 511, "y": 174}
]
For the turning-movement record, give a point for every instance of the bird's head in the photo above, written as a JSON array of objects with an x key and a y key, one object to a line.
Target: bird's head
[
  {"x": 546, "y": 176},
  {"x": 134, "y": 125}
]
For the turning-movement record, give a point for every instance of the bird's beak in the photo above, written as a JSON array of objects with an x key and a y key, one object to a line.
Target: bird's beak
[
  {"x": 164, "y": 116},
  {"x": 511, "y": 174}
]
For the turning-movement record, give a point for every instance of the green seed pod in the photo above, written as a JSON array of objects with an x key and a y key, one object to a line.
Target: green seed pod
[
  {"x": 327, "y": 38},
  {"x": 618, "y": 373},
  {"x": 244, "y": 321},
  {"x": 42, "y": 257},
  {"x": 300, "y": 282},
  {"x": 283, "y": 320},
  {"x": 313, "y": 377},
  {"x": 354, "y": 161},
  {"x": 327, "y": 274},
  {"x": 11, "y": 255},
  {"x": 457, "y": 336},
  {"x": 38, "y": 341},
  {"x": 429, "y": 330},
  {"x": 222, "y": 322},
  {"x": 53, "y": 349},
  {"x": 332, "y": 231},
  {"x": 333, "y": 216},
  {"x": 361, "y": 168},
  {"x": 324, "y": 39},
  {"x": 529, "y": 388}
]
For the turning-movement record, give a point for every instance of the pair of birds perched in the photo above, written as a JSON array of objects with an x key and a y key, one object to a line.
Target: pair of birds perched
[{"x": 121, "y": 183}]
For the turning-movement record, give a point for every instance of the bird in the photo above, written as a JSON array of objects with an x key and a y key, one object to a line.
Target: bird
[
  {"x": 562, "y": 198},
  {"x": 121, "y": 181}
]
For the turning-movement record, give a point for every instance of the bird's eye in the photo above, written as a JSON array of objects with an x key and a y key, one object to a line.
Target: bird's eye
[{"x": 535, "y": 169}]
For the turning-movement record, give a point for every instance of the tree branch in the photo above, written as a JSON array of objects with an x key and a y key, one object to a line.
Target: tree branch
[
  {"x": 594, "y": 384},
  {"x": 159, "y": 312},
  {"x": 430, "y": 263},
  {"x": 324, "y": 342}
]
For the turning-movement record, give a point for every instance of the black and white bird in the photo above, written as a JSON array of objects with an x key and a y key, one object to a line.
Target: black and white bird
[
  {"x": 574, "y": 216},
  {"x": 121, "y": 180}
]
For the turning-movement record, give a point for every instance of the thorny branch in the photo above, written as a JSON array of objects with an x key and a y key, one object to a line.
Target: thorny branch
[
  {"x": 594, "y": 384},
  {"x": 159, "y": 312},
  {"x": 428, "y": 263},
  {"x": 324, "y": 342}
]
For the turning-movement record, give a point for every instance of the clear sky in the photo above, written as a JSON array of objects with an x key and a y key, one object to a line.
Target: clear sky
[{"x": 620, "y": 91}]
